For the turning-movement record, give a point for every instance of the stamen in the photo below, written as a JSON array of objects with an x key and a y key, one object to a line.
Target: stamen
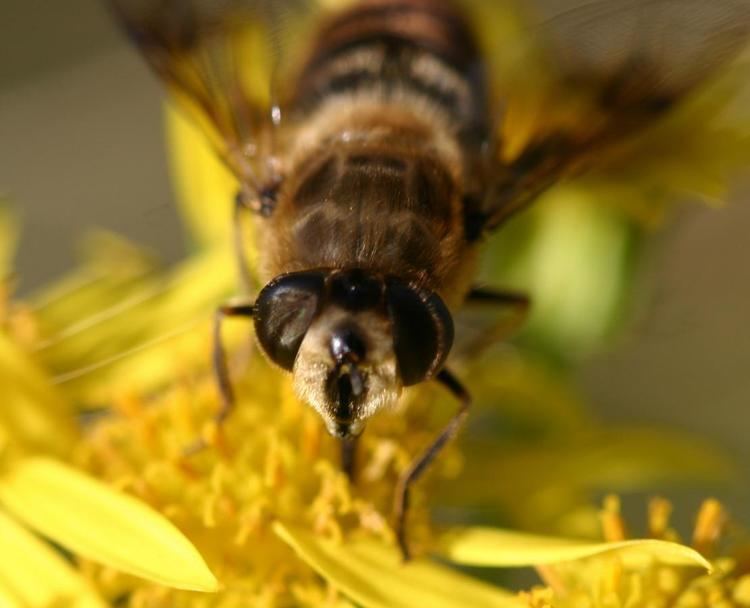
[
  {"x": 708, "y": 526},
  {"x": 659, "y": 513},
  {"x": 613, "y": 525}
]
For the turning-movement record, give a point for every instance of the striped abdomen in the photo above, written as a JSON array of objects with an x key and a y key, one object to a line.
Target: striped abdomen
[
  {"x": 395, "y": 47},
  {"x": 391, "y": 115}
]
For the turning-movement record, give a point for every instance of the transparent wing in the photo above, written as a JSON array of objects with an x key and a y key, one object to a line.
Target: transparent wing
[
  {"x": 225, "y": 62},
  {"x": 572, "y": 80},
  {"x": 645, "y": 51}
]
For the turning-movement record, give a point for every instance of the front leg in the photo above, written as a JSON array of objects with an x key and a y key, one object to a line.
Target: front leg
[
  {"x": 487, "y": 317},
  {"x": 221, "y": 369},
  {"x": 514, "y": 305},
  {"x": 420, "y": 464}
]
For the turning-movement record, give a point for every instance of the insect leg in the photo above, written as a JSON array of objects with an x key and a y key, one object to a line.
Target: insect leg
[
  {"x": 420, "y": 464},
  {"x": 487, "y": 295},
  {"x": 515, "y": 304},
  {"x": 487, "y": 317},
  {"x": 221, "y": 370}
]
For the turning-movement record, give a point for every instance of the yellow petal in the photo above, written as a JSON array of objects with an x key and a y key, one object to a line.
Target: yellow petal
[
  {"x": 504, "y": 548},
  {"x": 101, "y": 524},
  {"x": 205, "y": 187},
  {"x": 131, "y": 343},
  {"x": 168, "y": 329},
  {"x": 33, "y": 412},
  {"x": 111, "y": 268},
  {"x": 31, "y": 574},
  {"x": 373, "y": 575},
  {"x": 8, "y": 600}
]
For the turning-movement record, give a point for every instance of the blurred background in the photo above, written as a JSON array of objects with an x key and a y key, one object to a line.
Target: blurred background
[{"x": 81, "y": 126}]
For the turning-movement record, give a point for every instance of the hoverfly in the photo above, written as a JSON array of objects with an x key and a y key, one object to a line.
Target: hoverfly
[{"x": 370, "y": 146}]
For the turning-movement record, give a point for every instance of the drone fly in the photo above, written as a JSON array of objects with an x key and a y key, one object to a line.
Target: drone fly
[{"x": 369, "y": 142}]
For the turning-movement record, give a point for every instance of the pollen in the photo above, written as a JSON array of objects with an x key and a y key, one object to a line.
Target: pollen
[{"x": 272, "y": 460}]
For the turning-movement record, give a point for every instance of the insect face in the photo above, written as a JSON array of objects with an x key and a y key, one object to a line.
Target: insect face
[
  {"x": 346, "y": 368},
  {"x": 352, "y": 340}
]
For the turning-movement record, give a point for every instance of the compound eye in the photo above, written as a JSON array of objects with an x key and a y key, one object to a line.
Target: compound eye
[
  {"x": 284, "y": 310},
  {"x": 422, "y": 331}
]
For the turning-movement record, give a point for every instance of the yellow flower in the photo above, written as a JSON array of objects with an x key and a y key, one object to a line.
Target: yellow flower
[
  {"x": 38, "y": 492},
  {"x": 626, "y": 579},
  {"x": 655, "y": 572}
]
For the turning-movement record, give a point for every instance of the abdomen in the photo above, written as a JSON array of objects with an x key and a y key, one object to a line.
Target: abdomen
[
  {"x": 398, "y": 49},
  {"x": 390, "y": 109}
]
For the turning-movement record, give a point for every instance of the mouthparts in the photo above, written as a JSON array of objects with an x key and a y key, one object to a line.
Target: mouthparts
[{"x": 349, "y": 386}]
